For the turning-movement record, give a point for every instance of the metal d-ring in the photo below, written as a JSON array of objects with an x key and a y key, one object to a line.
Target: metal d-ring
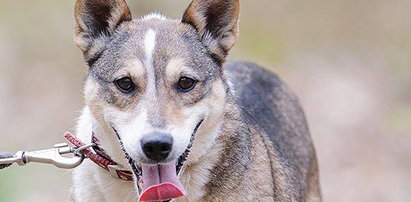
[{"x": 77, "y": 151}]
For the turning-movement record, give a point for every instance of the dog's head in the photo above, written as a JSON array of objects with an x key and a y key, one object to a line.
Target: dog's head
[{"x": 155, "y": 81}]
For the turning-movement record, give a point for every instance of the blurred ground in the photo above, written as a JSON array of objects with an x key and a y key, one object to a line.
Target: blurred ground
[{"x": 348, "y": 61}]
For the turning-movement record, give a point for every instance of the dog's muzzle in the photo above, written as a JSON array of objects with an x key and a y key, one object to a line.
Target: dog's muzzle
[{"x": 159, "y": 182}]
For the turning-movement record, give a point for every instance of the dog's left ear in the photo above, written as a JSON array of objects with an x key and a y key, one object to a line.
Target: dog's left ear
[
  {"x": 96, "y": 21},
  {"x": 216, "y": 21}
]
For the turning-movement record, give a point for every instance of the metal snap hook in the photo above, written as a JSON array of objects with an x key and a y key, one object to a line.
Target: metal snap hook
[{"x": 51, "y": 156}]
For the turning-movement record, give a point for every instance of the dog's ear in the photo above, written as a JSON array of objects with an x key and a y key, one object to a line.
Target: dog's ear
[
  {"x": 96, "y": 21},
  {"x": 217, "y": 23}
]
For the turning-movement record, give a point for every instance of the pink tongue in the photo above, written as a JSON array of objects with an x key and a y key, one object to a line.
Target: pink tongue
[{"x": 160, "y": 182}]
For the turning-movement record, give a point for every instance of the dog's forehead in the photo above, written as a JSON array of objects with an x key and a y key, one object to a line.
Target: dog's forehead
[
  {"x": 166, "y": 34},
  {"x": 158, "y": 40}
]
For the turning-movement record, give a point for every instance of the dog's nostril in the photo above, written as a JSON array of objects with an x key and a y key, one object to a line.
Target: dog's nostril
[
  {"x": 165, "y": 148},
  {"x": 148, "y": 148},
  {"x": 157, "y": 146}
]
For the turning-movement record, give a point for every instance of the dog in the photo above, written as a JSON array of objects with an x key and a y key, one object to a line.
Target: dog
[{"x": 166, "y": 106}]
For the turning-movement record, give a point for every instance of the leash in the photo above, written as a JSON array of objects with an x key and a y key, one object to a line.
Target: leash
[{"x": 80, "y": 151}]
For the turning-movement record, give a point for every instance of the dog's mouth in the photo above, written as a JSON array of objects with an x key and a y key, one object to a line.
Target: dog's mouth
[{"x": 159, "y": 182}]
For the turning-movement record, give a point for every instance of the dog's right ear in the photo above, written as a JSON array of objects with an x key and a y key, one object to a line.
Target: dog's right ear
[{"x": 96, "y": 21}]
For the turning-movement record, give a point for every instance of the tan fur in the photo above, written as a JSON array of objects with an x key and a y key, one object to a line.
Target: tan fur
[
  {"x": 175, "y": 67},
  {"x": 211, "y": 127},
  {"x": 314, "y": 194},
  {"x": 91, "y": 93},
  {"x": 133, "y": 68}
]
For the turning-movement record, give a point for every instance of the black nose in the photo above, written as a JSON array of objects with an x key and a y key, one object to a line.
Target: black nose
[{"x": 157, "y": 146}]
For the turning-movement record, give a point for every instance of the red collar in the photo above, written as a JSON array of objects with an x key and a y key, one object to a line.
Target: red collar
[{"x": 100, "y": 158}]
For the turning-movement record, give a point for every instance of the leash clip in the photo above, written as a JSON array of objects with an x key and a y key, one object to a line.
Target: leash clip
[{"x": 51, "y": 156}]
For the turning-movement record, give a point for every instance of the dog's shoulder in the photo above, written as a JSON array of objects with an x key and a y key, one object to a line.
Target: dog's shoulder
[
  {"x": 268, "y": 103},
  {"x": 263, "y": 96}
]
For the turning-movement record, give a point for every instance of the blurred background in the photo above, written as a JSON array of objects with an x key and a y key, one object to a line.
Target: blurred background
[{"x": 349, "y": 61}]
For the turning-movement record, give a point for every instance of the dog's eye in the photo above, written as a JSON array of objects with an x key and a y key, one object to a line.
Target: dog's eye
[
  {"x": 186, "y": 84},
  {"x": 125, "y": 85}
]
